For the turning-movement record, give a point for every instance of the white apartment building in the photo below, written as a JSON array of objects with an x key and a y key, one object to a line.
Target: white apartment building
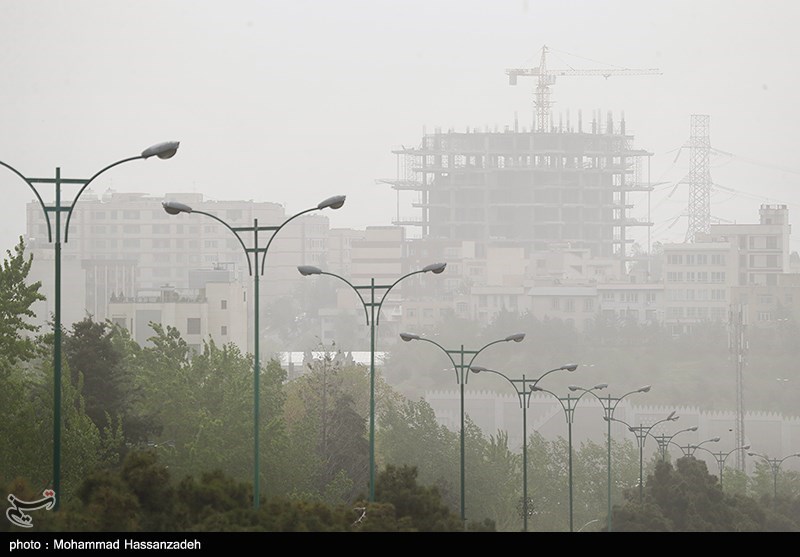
[
  {"x": 216, "y": 309},
  {"x": 697, "y": 283},
  {"x": 763, "y": 248},
  {"x": 123, "y": 243}
]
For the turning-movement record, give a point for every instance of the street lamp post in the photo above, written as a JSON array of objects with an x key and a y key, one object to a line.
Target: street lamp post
[
  {"x": 641, "y": 432},
  {"x": 775, "y": 467},
  {"x": 524, "y": 387},
  {"x": 609, "y": 405},
  {"x": 690, "y": 449},
  {"x": 162, "y": 151},
  {"x": 462, "y": 376},
  {"x": 721, "y": 457},
  {"x": 664, "y": 440},
  {"x": 175, "y": 208},
  {"x": 568, "y": 403},
  {"x": 372, "y": 310}
]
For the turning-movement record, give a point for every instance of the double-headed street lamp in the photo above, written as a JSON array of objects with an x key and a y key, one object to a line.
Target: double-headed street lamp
[
  {"x": 721, "y": 457},
  {"x": 372, "y": 310},
  {"x": 524, "y": 387},
  {"x": 162, "y": 151},
  {"x": 689, "y": 449},
  {"x": 568, "y": 403},
  {"x": 462, "y": 376},
  {"x": 775, "y": 467},
  {"x": 664, "y": 440},
  {"x": 609, "y": 405},
  {"x": 175, "y": 208},
  {"x": 641, "y": 432}
]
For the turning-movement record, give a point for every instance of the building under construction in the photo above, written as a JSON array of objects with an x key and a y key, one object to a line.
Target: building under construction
[{"x": 567, "y": 186}]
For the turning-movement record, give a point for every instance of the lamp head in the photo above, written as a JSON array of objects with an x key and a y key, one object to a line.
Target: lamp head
[
  {"x": 746, "y": 446},
  {"x": 164, "y": 150},
  {"x": 714, "y": 440},
  {"x": 173, "y": 207},
  {"x": 334, "y": 202},
  {"x": 600, "y": 386},
  {"x": 672, "y": 416},
  {"x": 306, "y": 270},
  {"x": 409, "y": 337},
  {"x": 645, "y": 389},
  {"x": 570, "y": 367},
  {"x": 535, "y": 388},
  {"x": 477, "y": 369},
  {"x": 573, "y": 387},
  {"x": 435, "y": 268},
  {"x": 517, "y": 337},
  {"x": 752, "y": 454},
  {"x": 693, "y": 428}
]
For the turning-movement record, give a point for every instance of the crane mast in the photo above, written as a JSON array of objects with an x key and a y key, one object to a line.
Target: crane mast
[{"x": 547, "y": 78}]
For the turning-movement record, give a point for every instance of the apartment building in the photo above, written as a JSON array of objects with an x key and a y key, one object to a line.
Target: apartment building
[
  {"x": 123, "y": 243},
  {"x": 214, "y": 309}
]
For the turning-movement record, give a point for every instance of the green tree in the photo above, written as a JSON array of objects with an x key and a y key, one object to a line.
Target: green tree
[{"x": 16, "y": 298}]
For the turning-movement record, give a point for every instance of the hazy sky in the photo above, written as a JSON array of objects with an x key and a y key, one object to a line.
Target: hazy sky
[{"x": 293, "y": 101}]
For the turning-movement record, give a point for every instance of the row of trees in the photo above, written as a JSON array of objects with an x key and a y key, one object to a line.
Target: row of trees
[{"x": 193, "y": 415}]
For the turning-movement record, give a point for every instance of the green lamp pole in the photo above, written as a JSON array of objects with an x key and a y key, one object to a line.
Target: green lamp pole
[
  {"x": 721, "y": 457},
  {"x": 175, "y": 208},
  {"x": 568, "y": 403},
  {"x": 775, "y": 467},
  {"x": 609, "y": 405},
  {"x": 462, "y": 376},
  {"x": 162, "y": 151},
  {"x": 689, "y": 450},
  {"x": 641, "y": 432},
  {"x": 664, "y": 440},
  {"x": 372, "y": 310},
  {"x": 524, "y": 387}
]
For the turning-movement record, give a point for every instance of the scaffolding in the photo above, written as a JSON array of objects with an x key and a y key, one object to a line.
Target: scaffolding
[{"x": 563, "y": 187}]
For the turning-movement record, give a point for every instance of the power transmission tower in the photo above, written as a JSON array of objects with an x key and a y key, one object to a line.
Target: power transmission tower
[{"x": 699, "y": 177}]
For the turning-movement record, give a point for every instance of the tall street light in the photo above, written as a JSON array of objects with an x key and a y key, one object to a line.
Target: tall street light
[
  {"x": 162, "y": 151},
  {"x": 568, "y": 403},
  {"x": 372, "y": 310},
  {"x": 524, "y": 387},
  {"x": 775, "y": 467},
  {"x": 462, "y": 376},
  {"x": 664, "y": 440},
  {"x": 175, "y": 208},
  {"x": 690, "y": 449},
  {"x": 721, "y": 457},
  {"x": 641, "y": 432},
  {"x": 609, "y": 405}
]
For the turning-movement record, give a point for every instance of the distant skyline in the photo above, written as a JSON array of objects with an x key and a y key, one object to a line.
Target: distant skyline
[{"x": 295, "y": 101}]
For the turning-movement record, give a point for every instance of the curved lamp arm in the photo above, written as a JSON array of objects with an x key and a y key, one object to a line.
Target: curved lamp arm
[
  {"x": 480, "y": 369},
  {"x": 350, "y": 284},
  {"x": 38, "y": 197},
  {"x": 435, "y": 268},
  {"x": 407, "y": 337},
  {"x": 335, "y": 202},
  {"x": 166, "y": 206}
]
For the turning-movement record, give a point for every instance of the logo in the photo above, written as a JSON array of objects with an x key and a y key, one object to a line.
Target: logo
[{"x": 16, "y": 515}]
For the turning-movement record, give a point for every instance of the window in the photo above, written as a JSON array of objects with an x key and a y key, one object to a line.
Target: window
[
  {"x": 131, "y": 228},
  {"x": 772, "y": 242},
  {"x": 650, "y": 297},
  {"x": 718, "y": 259},
  {"x": 569, "y": 305},
  {"x": 608, "y": 296},
  {"x": 702, "y": 259},
  {"x": 690, "y": 259},
  {"x": 718, "y": 276},
  {"x": 630, "y": 297},
  {"x": 764, "y": 316},
  {"x": 758, "y": 242},
  {"x": 193, "y": 326},
  {"x": 224, "y": 330},
  {"x": 718, "y": 295},
  {"x": 223, "y": 304},
  {"x": 588, "y": 304},
  {"x": 675, "y": 259},
  {"x": 555, "y": 303}
]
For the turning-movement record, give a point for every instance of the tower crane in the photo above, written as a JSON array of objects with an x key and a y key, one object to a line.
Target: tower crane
[{"x": 547, "y": 77}]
